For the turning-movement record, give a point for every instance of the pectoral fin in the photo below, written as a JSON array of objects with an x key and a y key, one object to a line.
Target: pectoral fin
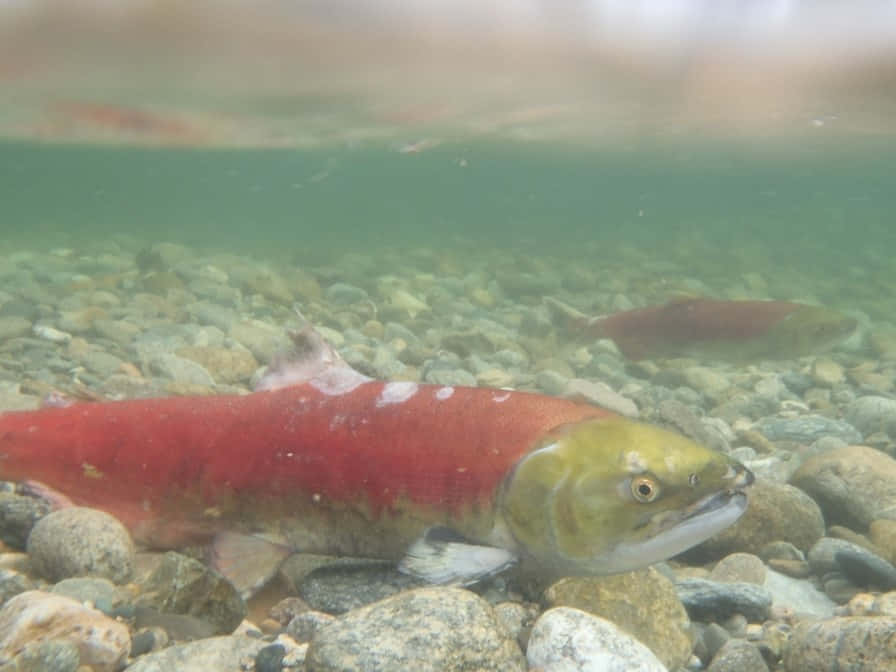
[
  {"x": 247, "y": 561},
  {"x": 443, "y": 557}
]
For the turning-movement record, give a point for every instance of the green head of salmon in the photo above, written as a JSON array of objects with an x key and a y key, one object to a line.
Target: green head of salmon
[{"x": 612, "y": 495}]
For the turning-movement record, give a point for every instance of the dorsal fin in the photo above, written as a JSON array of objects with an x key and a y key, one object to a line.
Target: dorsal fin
[{"x": 309, "y": 359}]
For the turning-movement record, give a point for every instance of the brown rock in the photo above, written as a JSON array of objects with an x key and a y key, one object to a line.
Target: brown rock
[
  {"x": 853, "y": 485},
  {"x": 776, "y": 512},
  {"x": 643, "y": 603},
  {"x": 34, "y": 616},
  {"x": 850, "y": 643}
]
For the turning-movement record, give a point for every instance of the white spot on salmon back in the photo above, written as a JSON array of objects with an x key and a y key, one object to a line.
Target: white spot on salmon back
[
  {"x": 338, "y": 380},
  {"x": 444, "y": 393},
  {"x": 397, "y": 392},
  {"x": 499, "y": 398}
]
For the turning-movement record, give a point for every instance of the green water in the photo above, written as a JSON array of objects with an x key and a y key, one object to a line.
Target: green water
[{"x": 824, "y": 209}]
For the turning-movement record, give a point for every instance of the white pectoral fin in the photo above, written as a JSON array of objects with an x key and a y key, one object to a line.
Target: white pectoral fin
[
  {"x": 441, "y": 556},
  {"x": 247, "y": 561}
]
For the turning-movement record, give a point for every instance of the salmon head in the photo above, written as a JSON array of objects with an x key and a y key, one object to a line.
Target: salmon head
[{"x": 612, "y": 495}]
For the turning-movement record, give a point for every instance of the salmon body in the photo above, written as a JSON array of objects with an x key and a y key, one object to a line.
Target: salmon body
[
  {"x": 459, "y": 482},
  {"x": 731, "y": 330},
  {"x": 177, "y": 469}
]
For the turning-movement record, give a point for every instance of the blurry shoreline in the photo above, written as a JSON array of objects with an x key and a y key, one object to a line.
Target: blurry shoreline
[{"x": 264, "y": 75}]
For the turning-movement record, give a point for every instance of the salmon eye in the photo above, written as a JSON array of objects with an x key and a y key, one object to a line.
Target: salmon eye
[
  {"x": 645, "y": 489},
  {"x": 693, "y": 480}
]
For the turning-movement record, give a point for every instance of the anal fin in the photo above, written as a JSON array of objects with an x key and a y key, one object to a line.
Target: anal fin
[
  {"x": 247, "y": 561},
  {"x": 442, "y": 556}
]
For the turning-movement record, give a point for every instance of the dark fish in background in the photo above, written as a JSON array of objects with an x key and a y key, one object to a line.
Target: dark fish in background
[{"x": 729, "y": 330}]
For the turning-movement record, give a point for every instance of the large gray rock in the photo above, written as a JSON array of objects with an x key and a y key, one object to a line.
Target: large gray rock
[
  {"x": 426, "y": 630},
  {"x": 857, "y": 644},
  {"x": 78, "y": 541},
  {"x": 776, "y": 512},
  {"x": 570, "y": 640},
  {"x": 853, "y": 485}
]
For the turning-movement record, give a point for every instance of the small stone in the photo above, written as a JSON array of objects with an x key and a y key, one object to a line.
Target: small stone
[
  {"x": 287, "y": 609},
  {"x": 270, "y": 658},
  {"x": 226, "y": 365},
  {"x": 12, "y": 583},
  {"x": 845, "y": 643},
  {"x": 34, "y": 617},
  {"x": 570, "y": 640},
  {"x": 426, "y": 630},
  {"x": 872, "y": 414},
  {"x": 102, "y": 594},
  {"x": 827, "y": 373},
  {"x": 739, "y": 567},
  {"x": 883, "y": 534},
  {"x": 707, "y": 600},
  {"x": 181, "y": 370},
  {"x": 807, "y": 428},
  {"x": 864, "y": 568},
  {"x": 182, "y": 585},
  {"x": 78, "y": 541},
  {"x": 18, "y": 514},
  {"x": 738, "y": 655},
  {"x": 304, "y": 626},
  {"x": 205, "y": 655},
  {"x": 341, "y": 587}
]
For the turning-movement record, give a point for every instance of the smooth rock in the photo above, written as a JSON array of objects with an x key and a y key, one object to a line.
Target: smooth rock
[
  {"x": 853, "y": 485},
  {"x": 643, "y": 603},
  {"x": 426, "y": 630},
  {"x": 738, "y": 655},
  {"x": 338, "y": 588},
  {"x": 182, "y": 585},
  {"x": 776, "y": 512},
  {"x": 226, "y": 365},
  {"x": 78, "y": 541},
  {"x": 883, "y": 534},
  {"x": 807, "y": 428},
  {"x": 861, "y": 566},
  {"x": 827, "y": 373},
  {"x": 872, "y": 414},
  {"x": 739, "y": 567},
  {"x": 798, "y": 596},
  {"x": 304, "y": 626},
  {"x": 707, "y": 600},
  {"x": 206, "y": 655},
  {"x": 857, "y": 644},
  {"x": 102, "y": 594},
  {"x": 180, "y": 370},
  {"x": 35, "y": 616},
  {"x": 570, "y": 640}
]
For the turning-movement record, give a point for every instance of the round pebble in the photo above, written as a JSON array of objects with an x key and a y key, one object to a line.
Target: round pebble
[{"x": 78, "y": 541}]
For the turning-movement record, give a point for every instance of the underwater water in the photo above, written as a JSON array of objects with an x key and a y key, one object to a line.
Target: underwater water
[{"x": 821, "y": 208}]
